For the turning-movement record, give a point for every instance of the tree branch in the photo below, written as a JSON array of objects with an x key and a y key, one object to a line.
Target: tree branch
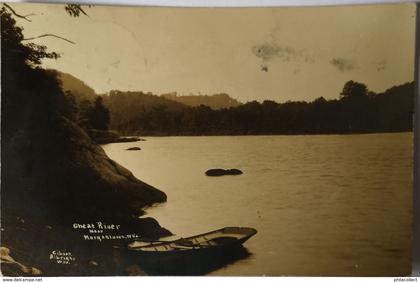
[
  {"x": 16, "y": 14},
  {"x": 49, "y": 34},
  {"x": 84, "y": 13},
  {"x": 74, "y": 10}
]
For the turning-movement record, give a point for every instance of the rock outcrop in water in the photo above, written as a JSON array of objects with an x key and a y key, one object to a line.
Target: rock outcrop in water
[{"x": 221, "y": 172}]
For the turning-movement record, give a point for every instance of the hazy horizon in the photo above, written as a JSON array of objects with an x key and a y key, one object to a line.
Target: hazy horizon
[{"x": 250, "y": 54}]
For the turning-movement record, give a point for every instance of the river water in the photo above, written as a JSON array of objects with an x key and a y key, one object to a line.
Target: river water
[{"x": 322, "y": 205}]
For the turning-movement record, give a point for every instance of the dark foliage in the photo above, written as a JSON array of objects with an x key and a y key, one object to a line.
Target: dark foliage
[
  {"x": 29, "y": 94},
  {"x": 50, "y": 163},
  {"x": 133, "y": 111},
  {"x": 357, "y": 111},
  {"x": 95, "y": 116},
  {"x": 215, "y": 101},
  {"x": 75, "y": 10}
]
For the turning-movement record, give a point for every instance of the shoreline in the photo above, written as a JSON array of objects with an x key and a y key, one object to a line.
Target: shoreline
[
  {"x": 71, "y": 180},
  {"x": 259, "y": 135}
]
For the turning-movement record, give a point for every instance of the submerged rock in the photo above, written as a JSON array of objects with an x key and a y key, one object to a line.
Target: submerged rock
[
  {"x": 133, "y": 149},
  {"x": 221, "y": 172}
]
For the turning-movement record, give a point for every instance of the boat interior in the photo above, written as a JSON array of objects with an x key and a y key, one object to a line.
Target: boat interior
[{"x": 224, "y": 236}]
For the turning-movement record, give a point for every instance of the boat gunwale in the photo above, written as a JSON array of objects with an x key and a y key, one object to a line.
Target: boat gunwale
[{"x": 247, "y": 235}]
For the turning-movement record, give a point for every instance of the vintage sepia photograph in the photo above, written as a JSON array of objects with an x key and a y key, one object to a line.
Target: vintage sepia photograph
[{"x": 169, "y": 141}]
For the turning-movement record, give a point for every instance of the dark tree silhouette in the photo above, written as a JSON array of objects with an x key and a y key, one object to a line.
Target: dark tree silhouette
[
  {"x": 357, "y": 111},
  {"x": 97, "y": 116},
  {"x": 75, "y": 10},
  {"x": 52, "y": 173},
  {"x": 354, "y": 90}
]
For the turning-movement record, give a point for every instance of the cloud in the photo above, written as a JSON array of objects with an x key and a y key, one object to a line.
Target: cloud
[
  {"x": 269, "y": 51},
  {"x": 342, "y": 64},
  {"x": 381, "y": 65}
]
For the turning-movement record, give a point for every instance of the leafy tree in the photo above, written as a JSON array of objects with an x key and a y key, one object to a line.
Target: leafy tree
[
  {"x": 28, "y": 91},
  {"x": 97, "y": 115},
  {"x": 15, "y": 53},
  {"x": 359, "y": 112},
  {"x": 75, "y": 10},
  {"x": 354, "y": 90}
]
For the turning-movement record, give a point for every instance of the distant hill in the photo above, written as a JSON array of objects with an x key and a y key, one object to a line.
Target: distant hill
[
  {"x": 80, "y": 90},
  {"x": 216, "y": 101},
  {"x": 354, "y": 112},
  {"x": 137, "y": 111}
]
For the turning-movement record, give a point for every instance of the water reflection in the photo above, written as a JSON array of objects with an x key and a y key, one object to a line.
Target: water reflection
[{"x": 197, "y": 264}]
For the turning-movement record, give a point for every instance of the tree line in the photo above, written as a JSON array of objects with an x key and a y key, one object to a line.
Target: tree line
[
  {"x": 30, "y": 93},
  {"x": 357, "y": 110}
]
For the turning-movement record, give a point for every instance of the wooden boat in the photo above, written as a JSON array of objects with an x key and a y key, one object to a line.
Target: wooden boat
[
  {"x": 194, "y": 255},
  {"x": 225, "y": 238}
]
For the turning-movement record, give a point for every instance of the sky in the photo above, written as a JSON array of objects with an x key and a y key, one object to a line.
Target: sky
[{"x": 278, "y": 54}]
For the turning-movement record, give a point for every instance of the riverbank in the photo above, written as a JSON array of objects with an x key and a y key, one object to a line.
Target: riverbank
[
  {"x": 55, "y": 176},
  {"x": 239, "y": 134},
  {"x": 60, "y": 250},
  {"x": 102, "y": 137}
]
